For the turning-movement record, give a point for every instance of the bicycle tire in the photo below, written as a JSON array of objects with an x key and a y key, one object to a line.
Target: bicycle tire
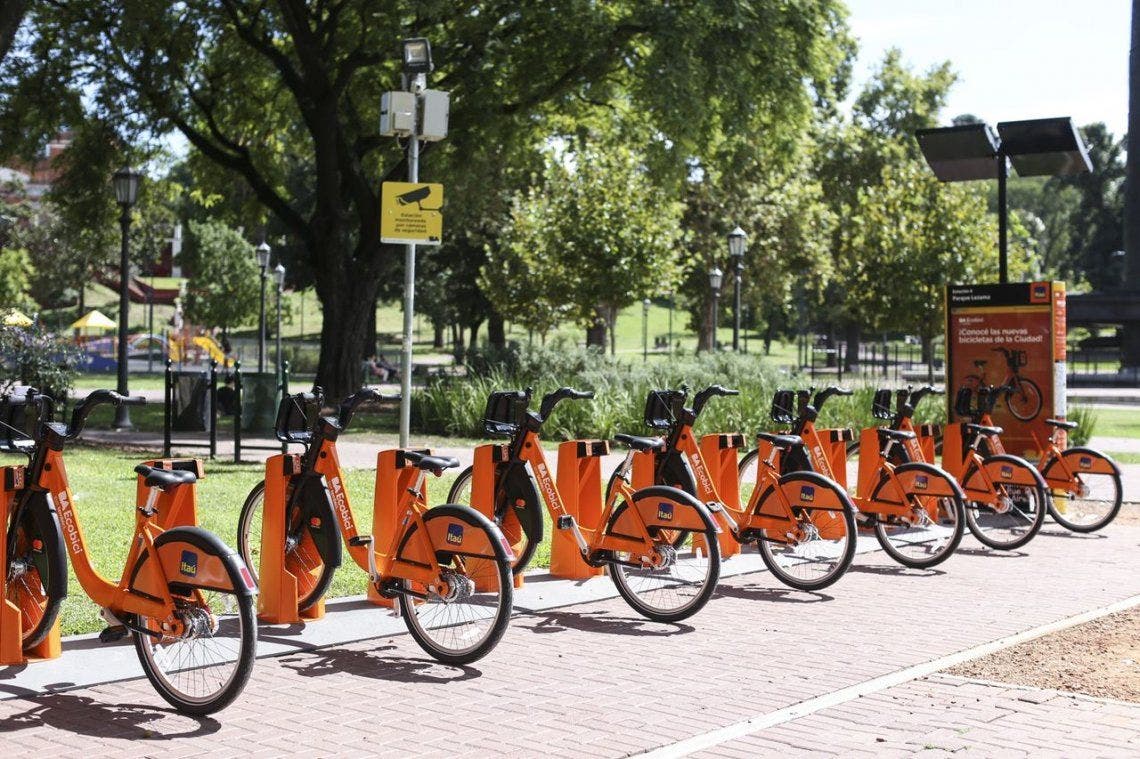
[
  {"x": 1113, "y": 479},
  {"x": 1015, "y": 494},
  {"x": 681, "y": 535},
  {"x": 632, "y": 596},
  {"x": 246, "y": 618},
  {"x": 523, "y": 546},
  {"x": 500, "y": 570},
  {"x": 1017, "y": 410},
  {"x": 308, "y": 562},
  {"x": 847, "y": 551},
  {"x": 41, "y": 586},
  {"x": 957, "y": 507}
]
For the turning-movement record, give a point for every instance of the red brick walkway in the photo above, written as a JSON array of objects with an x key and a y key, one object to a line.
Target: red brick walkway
[{"x": 594, "y": 680}]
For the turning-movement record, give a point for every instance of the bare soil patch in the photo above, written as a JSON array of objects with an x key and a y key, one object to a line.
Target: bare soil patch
[{"x": 1099, "y": 658}]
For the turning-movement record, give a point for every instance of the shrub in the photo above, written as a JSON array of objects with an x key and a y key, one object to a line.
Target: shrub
[{"x": 37, "y": 358}]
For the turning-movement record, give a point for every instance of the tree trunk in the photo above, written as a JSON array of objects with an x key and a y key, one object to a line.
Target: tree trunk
[
  {"x": 1130, "y": 344},
  {"x": 611, "y": 314},
  {"x": 496, "y": 332},
  {"x": 344, "y": 282},
  {"x": 437, "y": 335},
  {"x": 927, "y": 342},
  {"x": 596, "y": 333},
  {"x": 853, "y": 335}
]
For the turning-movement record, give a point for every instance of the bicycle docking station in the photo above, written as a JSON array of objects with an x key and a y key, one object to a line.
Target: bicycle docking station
[
  {"x": 12, "y": 652},
  {"x": 394, "y": 477},
  {"x": 720, "y": 452},
  {"x": 278, "y": 597},
  {"x": 580, "y": 485},
  {"x": 490, "y": 460}
]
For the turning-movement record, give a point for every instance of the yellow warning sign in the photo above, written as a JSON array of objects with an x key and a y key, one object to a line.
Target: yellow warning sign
[{"x": 411, "y": 213}]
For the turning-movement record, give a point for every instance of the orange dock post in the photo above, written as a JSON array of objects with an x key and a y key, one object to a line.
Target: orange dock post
[
  {"x": 12, "y": 652},
  {"x": 489, "y": 460},
  {"x": 183, "y": 510},
  {"x": 278, "y": 595},
  {"x": 580, "y": 485},
  {"x": 720, "y": 454},
  {"x": 393, "y": 478}
]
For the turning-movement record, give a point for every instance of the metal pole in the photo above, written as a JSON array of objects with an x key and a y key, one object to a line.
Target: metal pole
[
  {"x": 279, "y": 287},
  {"x": 1003, "y": 219},
  {"x": 409, "y": 300},
  {"x": 672, "y": 303},
  {"x": 645, "y": 334},
  {"x": 122, "y": 413},
  {"x": 715, "y": 303},
  {"x": 150, "y": 328},
  {"x": 736, "y": 312},
  {"x": 261, "y": 326}
]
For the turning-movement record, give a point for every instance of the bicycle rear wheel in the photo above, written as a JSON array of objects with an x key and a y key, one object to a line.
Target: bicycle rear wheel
[
  {"x": 302, "y": 556},
  {"x": 464, "y": 623},
  {"x": 1020, "y": 509},
  {"x": 933, "y": 529},
  {"x": 207, "y": 666},
  {"x": 818, "y": 549},
  {"x": 36, "y": 572},
  {"x": 676, "y": 537},
  {"x": 1093, "y": 498}
]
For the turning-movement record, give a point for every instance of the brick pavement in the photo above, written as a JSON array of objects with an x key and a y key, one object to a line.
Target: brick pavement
[{"x": 593, "y": 680}]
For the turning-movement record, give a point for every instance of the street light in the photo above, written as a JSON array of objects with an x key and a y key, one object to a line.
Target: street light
[
  {"x": 262, "y": 254},
  {"x": 736, "y": 240},
  {"x": 716, "y": 279},
  {"x": 645, "y": 329},
  {"x": 279, "y": 275},
  {"x": 126, "y": 183},
  {"x": 672, "y": 305}
]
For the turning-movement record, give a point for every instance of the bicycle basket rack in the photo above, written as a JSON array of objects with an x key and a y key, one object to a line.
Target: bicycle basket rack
[
  {"x": 1019, "y": 359},
  {"x": 962, "y": 406},
  {"x": 295, "y": 417},
  {"x": 783, "y": 401},
  {"x": 504, "y": 413},
  {"x": 881, "y": 404},
  {"x": 20, "y": 415},
  {"x": 662, "y": 407}
]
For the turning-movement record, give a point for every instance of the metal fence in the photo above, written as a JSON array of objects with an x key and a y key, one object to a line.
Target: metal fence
[{"x": 889, "y": 361}]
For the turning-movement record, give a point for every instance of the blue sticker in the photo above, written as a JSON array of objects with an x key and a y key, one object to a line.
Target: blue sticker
[
  {"x": 665, "y": 512},
  {"x": 1086, "y": 462},
  {"x": 807, "y": 493},
  {"x": 189, "y": 564},
  {"x": 1007, "y": 473},
  {"x": 455, "y": 534},
  {"x": 921, "y": 482}
]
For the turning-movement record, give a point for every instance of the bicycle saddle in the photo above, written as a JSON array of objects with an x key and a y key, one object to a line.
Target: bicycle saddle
[
  {"x": 641, "y": 443},
  {"x": 427, "y": 463},
  {"x": 166, "y": 479},
  {"x": 1061, "y": 424},
  {"x": 781, "y": 441},
  {"x": 898, "y": 435},
  {"x": 981, "y": 429}
]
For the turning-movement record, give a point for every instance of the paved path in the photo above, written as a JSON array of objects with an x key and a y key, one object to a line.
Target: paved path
[{"x": 593, "y": 680}]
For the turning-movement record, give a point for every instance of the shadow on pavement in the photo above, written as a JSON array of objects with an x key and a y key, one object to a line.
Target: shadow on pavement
[
  {"x": 896, "y": 571},
  {"x": 86, "y": 716},
  {"x": 992, "y": 552},
  {"x": 779, "y": 595},
  {"x": 598, "y": 622},
  {"x": 1061, "y": 532},
  {"x": 331, "y": 661}
]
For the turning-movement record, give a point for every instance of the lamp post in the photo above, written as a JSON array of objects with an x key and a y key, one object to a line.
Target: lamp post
[
  {"x": 262, "y": 253},
  {"x": 279, "y": 275},
  {"x": 645, "y": 329},
  {"x": 126, "y": 181},
  {"x": 672, "y": 304},
  {"x": 716, "y": 278},
  {"x": 736, "y": 240}
]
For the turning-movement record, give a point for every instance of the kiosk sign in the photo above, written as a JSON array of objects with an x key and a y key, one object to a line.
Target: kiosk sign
[
  {"x": 411, "y": 213},
  {"x": 1012, "y": 337}
]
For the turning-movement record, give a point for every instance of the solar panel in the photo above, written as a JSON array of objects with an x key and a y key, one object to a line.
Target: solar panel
[
  {"x": 960, "y": 153},
  {"x": 1044, "y": 147}
]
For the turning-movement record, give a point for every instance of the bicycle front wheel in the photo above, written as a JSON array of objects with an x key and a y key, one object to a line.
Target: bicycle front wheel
[
  {"x": 676, "y": 581},
  {"x": 303, "y": 558},
  {"x": 1024, "y": 399},
  {"x": 206, "y": 666},
  {"x": 462, "y": 494},
  {"x": 462, "y": 618},
  {"x": 1089, "y": 499},
  {"x": 818, "y": 546},
  {"x": 36, "y": 573},
  {"x": 1020, "y": 507}
]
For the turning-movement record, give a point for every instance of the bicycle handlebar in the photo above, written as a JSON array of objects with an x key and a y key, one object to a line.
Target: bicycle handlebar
[
  {"x": 551, "y": 400},
  {"x": 349, "y": 405},
  {"x": 712, "y": 391},
  {"x": 917, "y": 395},
  {"x": 822, "y": 396},
  {"x": 95, "y": 399}
]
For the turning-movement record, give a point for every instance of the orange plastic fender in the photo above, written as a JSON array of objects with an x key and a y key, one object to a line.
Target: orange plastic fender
[
  {"x": 1006, "y": 469},
  {"x": 813, "y": 491},
  {"x": 456, "y": 529},
  {"x": 198, "y": 558},
  {"x": 1082, "y": 460},
  {"x": 926, "y": 479},
  {"x": 664, "y": 507}
]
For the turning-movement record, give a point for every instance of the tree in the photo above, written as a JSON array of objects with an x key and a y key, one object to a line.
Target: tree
[
  {"x": 15, "y": 276},
  {"x": 284, "y": 96},
  {"x": 223, "y": 290},
  {"x": 594, "y": 237}
]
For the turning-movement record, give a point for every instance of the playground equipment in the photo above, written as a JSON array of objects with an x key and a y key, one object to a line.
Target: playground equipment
[
  {"x": 446, "y": 569},
  {"x": 193, "y": 402}
]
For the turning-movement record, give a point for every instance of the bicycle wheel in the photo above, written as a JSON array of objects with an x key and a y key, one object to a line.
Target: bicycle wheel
[
  {"x": 1091, "y": 498},
  {"x": 36, "y": 572},
  {"x": 523, "y": 547},
  {"x": 303, "y": 557},
  {"x": 466, "y": 622},
  {"x": 817, "y": 550},
  {"x": 1020, "y": 509},
  {"x": 747, "y": 472},
  {"x": 676, "y": 537},
  {"x": 677, "y": 580},
  {"x": 934, "y": 527},
  {"x": 206, "y": 664},
  {"x": 1023, "y": 399}
]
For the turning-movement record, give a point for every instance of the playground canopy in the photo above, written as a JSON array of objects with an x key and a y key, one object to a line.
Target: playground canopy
[
  {"x": 14, "y": 318},
  {"x": 93, "y": 320}
]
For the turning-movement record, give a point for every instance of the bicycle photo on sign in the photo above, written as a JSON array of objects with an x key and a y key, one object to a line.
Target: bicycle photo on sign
[{"x": 1021, "y": 395}]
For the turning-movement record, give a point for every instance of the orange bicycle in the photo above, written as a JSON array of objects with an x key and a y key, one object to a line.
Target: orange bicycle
[
  {"x": 186, "y": 597},
  {"x": 662, "y": 578},
  {"x": 1022, "y": 395},
  {"x": 802, "y": 523},
  {"x": 447, "y": 567},
  {"x": 915, "y": 509}
]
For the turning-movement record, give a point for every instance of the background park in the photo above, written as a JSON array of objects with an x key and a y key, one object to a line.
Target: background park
[{"x": 637, "y": 195}]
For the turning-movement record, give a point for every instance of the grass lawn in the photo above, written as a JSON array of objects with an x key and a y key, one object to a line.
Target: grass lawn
[
  {"x": 1124, "y": 458},
  {"x": 104, "y": 489},
  {"x": 1113, "y": 422}
]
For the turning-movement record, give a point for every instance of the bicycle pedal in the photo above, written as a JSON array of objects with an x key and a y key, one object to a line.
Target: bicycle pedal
[
  {"x": 113, "y": 634},
  {"x": 565, "y": 522}
]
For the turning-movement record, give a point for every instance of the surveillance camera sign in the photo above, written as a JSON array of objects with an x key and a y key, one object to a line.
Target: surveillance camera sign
[{"x": 411, "y": 213}]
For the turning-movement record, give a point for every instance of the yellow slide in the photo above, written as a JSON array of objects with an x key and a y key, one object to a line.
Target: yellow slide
[{"x": 212, "y": 347}]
